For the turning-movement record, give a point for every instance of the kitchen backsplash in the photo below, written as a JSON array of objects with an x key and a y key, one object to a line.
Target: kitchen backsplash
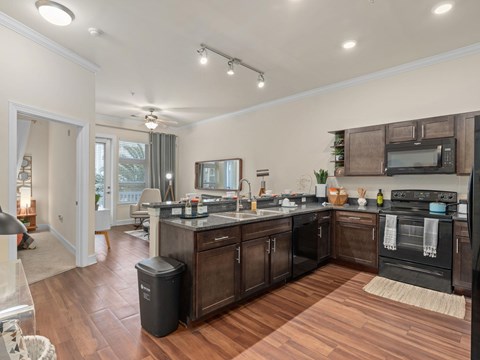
[{"x": 388, "y": 183}]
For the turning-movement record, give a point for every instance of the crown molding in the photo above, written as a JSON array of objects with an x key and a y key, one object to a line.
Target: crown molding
[
  {"x": 396, "y": 70},
  {"x": 47, "y": 43}
]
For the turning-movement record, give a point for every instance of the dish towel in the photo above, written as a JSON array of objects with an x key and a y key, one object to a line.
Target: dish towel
[
  {"x": 430, "y": 237},
  {"x": 390, "y": 234}
]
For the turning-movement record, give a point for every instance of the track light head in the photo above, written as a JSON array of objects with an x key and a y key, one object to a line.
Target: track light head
[
  {"x": 230, "y": 70},
  {"x": 261, "y": 81},
  {"x": 203, "y": 55}
]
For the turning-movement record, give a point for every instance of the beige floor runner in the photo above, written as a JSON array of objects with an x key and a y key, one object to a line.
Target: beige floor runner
[
  {"x": 49, "y": 258},
  {"x": 448, "y": 304}
]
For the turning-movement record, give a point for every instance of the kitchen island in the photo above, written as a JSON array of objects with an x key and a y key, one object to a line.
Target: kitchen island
[{"x": 231, "y": 258}]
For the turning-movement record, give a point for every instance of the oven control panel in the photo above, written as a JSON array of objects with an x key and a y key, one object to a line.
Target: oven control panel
[{"x": 424, "y": 195}]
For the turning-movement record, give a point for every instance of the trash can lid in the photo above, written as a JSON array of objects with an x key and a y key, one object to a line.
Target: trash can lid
[{"x": 160, "y": 266}]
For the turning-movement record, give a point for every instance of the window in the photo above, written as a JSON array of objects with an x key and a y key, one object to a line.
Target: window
[{"x": 132, "y": 171}]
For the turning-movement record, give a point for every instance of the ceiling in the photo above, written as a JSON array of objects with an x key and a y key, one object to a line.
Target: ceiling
[{"x": 147, "y": 53}]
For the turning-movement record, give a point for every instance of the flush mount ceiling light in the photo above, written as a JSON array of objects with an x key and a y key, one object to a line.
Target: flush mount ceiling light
[
  {"x": 349, "y": 44},
  {"x": 442, "y": 8},
  {"x": 232, "y": 61},
  {"x": 55, "y": 13}
]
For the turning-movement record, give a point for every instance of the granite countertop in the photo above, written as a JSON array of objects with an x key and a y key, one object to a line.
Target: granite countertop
[{"x": 216, "y": 220}]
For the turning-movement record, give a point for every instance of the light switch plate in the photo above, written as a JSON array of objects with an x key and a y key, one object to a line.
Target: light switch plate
[
  {"x": 304, "y": 199},
  {"x": 176, "y": 211},
  {"x": 205, "y": 209}
]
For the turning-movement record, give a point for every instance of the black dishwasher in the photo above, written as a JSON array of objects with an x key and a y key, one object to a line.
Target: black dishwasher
[{"x": 305, "y": 244}]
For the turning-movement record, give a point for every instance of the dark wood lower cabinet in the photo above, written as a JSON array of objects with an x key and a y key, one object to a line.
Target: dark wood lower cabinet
[
  {"x": 280, "y": 257},
  {"x": 462, "y": 259},
  {"x": 356, "y": 240},
  {"x": 218, "y": 273},
  {"x": 265, "y": 261},
  {"x": 324, "y": 236},
  {"x": 255, "y": 265}
]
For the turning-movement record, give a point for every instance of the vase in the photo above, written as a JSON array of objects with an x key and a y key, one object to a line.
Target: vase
[{"x": 320, "y": 190}]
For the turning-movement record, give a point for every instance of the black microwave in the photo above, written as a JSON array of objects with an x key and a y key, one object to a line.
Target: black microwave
[{"x": 421, "y": 157}]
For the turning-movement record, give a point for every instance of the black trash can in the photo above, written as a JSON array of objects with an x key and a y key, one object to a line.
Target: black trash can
[{"x": 159, "y": 290}]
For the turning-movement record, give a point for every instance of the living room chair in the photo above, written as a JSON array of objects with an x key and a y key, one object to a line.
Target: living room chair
[{"x": 139, "y": 212}]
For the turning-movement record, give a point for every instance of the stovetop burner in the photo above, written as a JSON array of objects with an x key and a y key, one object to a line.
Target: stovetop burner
[{"x": 416, "y": 203}]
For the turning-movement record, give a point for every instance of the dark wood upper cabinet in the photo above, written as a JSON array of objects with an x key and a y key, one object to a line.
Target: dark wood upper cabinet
[
  {"x": 422, "y": 129},
  {"x": 365, "y": 151},
  {"x": 465, "y": 124},
  {"x": 401, "y": 131}
]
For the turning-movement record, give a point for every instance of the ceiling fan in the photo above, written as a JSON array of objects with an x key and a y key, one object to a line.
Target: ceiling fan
[{"x": 152, "y": 121}]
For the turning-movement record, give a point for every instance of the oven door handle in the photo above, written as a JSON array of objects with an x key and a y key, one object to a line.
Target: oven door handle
[{"x": 418, "y": 219}]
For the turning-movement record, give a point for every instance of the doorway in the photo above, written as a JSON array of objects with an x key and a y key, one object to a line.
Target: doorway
[
  {"x": 103, "y": 172},
  {"x": 82, "y": 175}
]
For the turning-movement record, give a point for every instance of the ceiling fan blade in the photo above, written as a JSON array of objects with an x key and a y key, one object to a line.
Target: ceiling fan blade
[{"x": 169, "y": 122}]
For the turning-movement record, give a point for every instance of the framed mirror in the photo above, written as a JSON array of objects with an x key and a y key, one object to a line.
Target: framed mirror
[{"x": 218, "y": 174}]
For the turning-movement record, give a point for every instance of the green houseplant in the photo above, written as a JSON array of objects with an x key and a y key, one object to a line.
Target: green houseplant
[
  {"x": 321, "y": 187},
  {"x": 97, "y": 199}
]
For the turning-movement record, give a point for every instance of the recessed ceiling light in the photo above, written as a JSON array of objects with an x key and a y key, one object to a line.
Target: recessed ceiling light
[
  {"x": 349, "y": 44},
  {"x": 55, "y": 13},
  {"x": 442, "y": 8}
]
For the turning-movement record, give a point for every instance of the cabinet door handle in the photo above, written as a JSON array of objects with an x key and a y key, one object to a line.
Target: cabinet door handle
[
  {"x": 221, "y": 238},
  {"x": 320, "y": 233},
  {"x": 238, "y": 255},
  {"x": 381, "y": 167},
  {"x": 325, "y": 217},
  {"x": 274, "y": 241},
  {"x": 268, "y": 246},
  {"x": 456, "y": 245},
  {"x": 373, "y": 234},
  {"x": 414, "y": 136},
  {"x": 423, "y": 131},
  {"x": 354, "y": 218}
]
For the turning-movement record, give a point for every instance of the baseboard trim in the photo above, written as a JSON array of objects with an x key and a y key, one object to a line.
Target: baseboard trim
[
  {"x": 91, "y": 260},
  {"x": 71, "y": 248}
]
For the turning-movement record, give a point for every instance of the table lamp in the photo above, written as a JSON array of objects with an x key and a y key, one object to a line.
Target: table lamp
[{"x": 10, "y": 225}]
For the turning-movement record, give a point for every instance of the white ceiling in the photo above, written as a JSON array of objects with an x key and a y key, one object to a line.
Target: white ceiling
[{"x": 149, "y": 47}]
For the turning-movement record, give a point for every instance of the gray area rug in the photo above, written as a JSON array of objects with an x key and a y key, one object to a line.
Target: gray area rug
[
  {"x": 448, "y": 304},
  {"x": 138, "y": 234},
  {"x": 49, "y": 258}
]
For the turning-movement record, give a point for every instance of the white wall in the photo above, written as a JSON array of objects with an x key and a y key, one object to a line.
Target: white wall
[
  {"x": 291, "y": 139},
  {"x": 34, "y": 76},
  {"x": 62, "y": 180},
  {"x": 37, "y": 146}
]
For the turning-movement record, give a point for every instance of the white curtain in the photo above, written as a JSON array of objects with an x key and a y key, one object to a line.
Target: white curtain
[{"x": 162, "y": 160}]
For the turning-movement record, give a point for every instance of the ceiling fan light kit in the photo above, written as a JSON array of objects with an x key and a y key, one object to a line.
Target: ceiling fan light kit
[{"x": 231, "y": 62}]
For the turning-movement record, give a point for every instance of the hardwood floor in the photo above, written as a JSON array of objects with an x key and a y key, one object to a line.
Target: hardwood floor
[{"x": 92, "y": 313}]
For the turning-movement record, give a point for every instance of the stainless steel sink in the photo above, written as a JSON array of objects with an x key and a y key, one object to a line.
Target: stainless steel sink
[
  {"x": 247, "y": 214},
  {"x": 236, "y": 215}
]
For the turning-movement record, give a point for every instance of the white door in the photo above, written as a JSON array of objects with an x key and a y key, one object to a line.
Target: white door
[{"x": 103, "y": 172}]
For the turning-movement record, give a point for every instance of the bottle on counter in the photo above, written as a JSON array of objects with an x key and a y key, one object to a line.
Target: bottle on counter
[
  {"x": 188, "y": 208},
  {"x": 379, "y": 198},
  {"x": 253, "y": 204},
  {"x": 200, "y": 208}
]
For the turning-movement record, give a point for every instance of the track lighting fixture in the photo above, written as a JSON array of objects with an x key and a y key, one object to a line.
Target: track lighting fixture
[
  {"x": 232, "y": 61},
  {"x": 230, "y": 70},
  {"x": 260, "y": 81},
  {"x": 203, "y": 55}
]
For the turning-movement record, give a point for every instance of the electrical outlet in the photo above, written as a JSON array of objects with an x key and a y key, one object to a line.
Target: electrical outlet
[
  {"x": 60, "y": 217},
  {"x": 304, "y": 199},
  {"x": 205, "y": 209},
  {"x": 176, "y": 211}
]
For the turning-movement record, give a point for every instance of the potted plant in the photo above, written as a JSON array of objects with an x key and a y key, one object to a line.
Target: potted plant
[
  {"x": 321, "y": 187},
  {"x": 97, "y": 199},
  {"x": 338, "y": 152}
]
